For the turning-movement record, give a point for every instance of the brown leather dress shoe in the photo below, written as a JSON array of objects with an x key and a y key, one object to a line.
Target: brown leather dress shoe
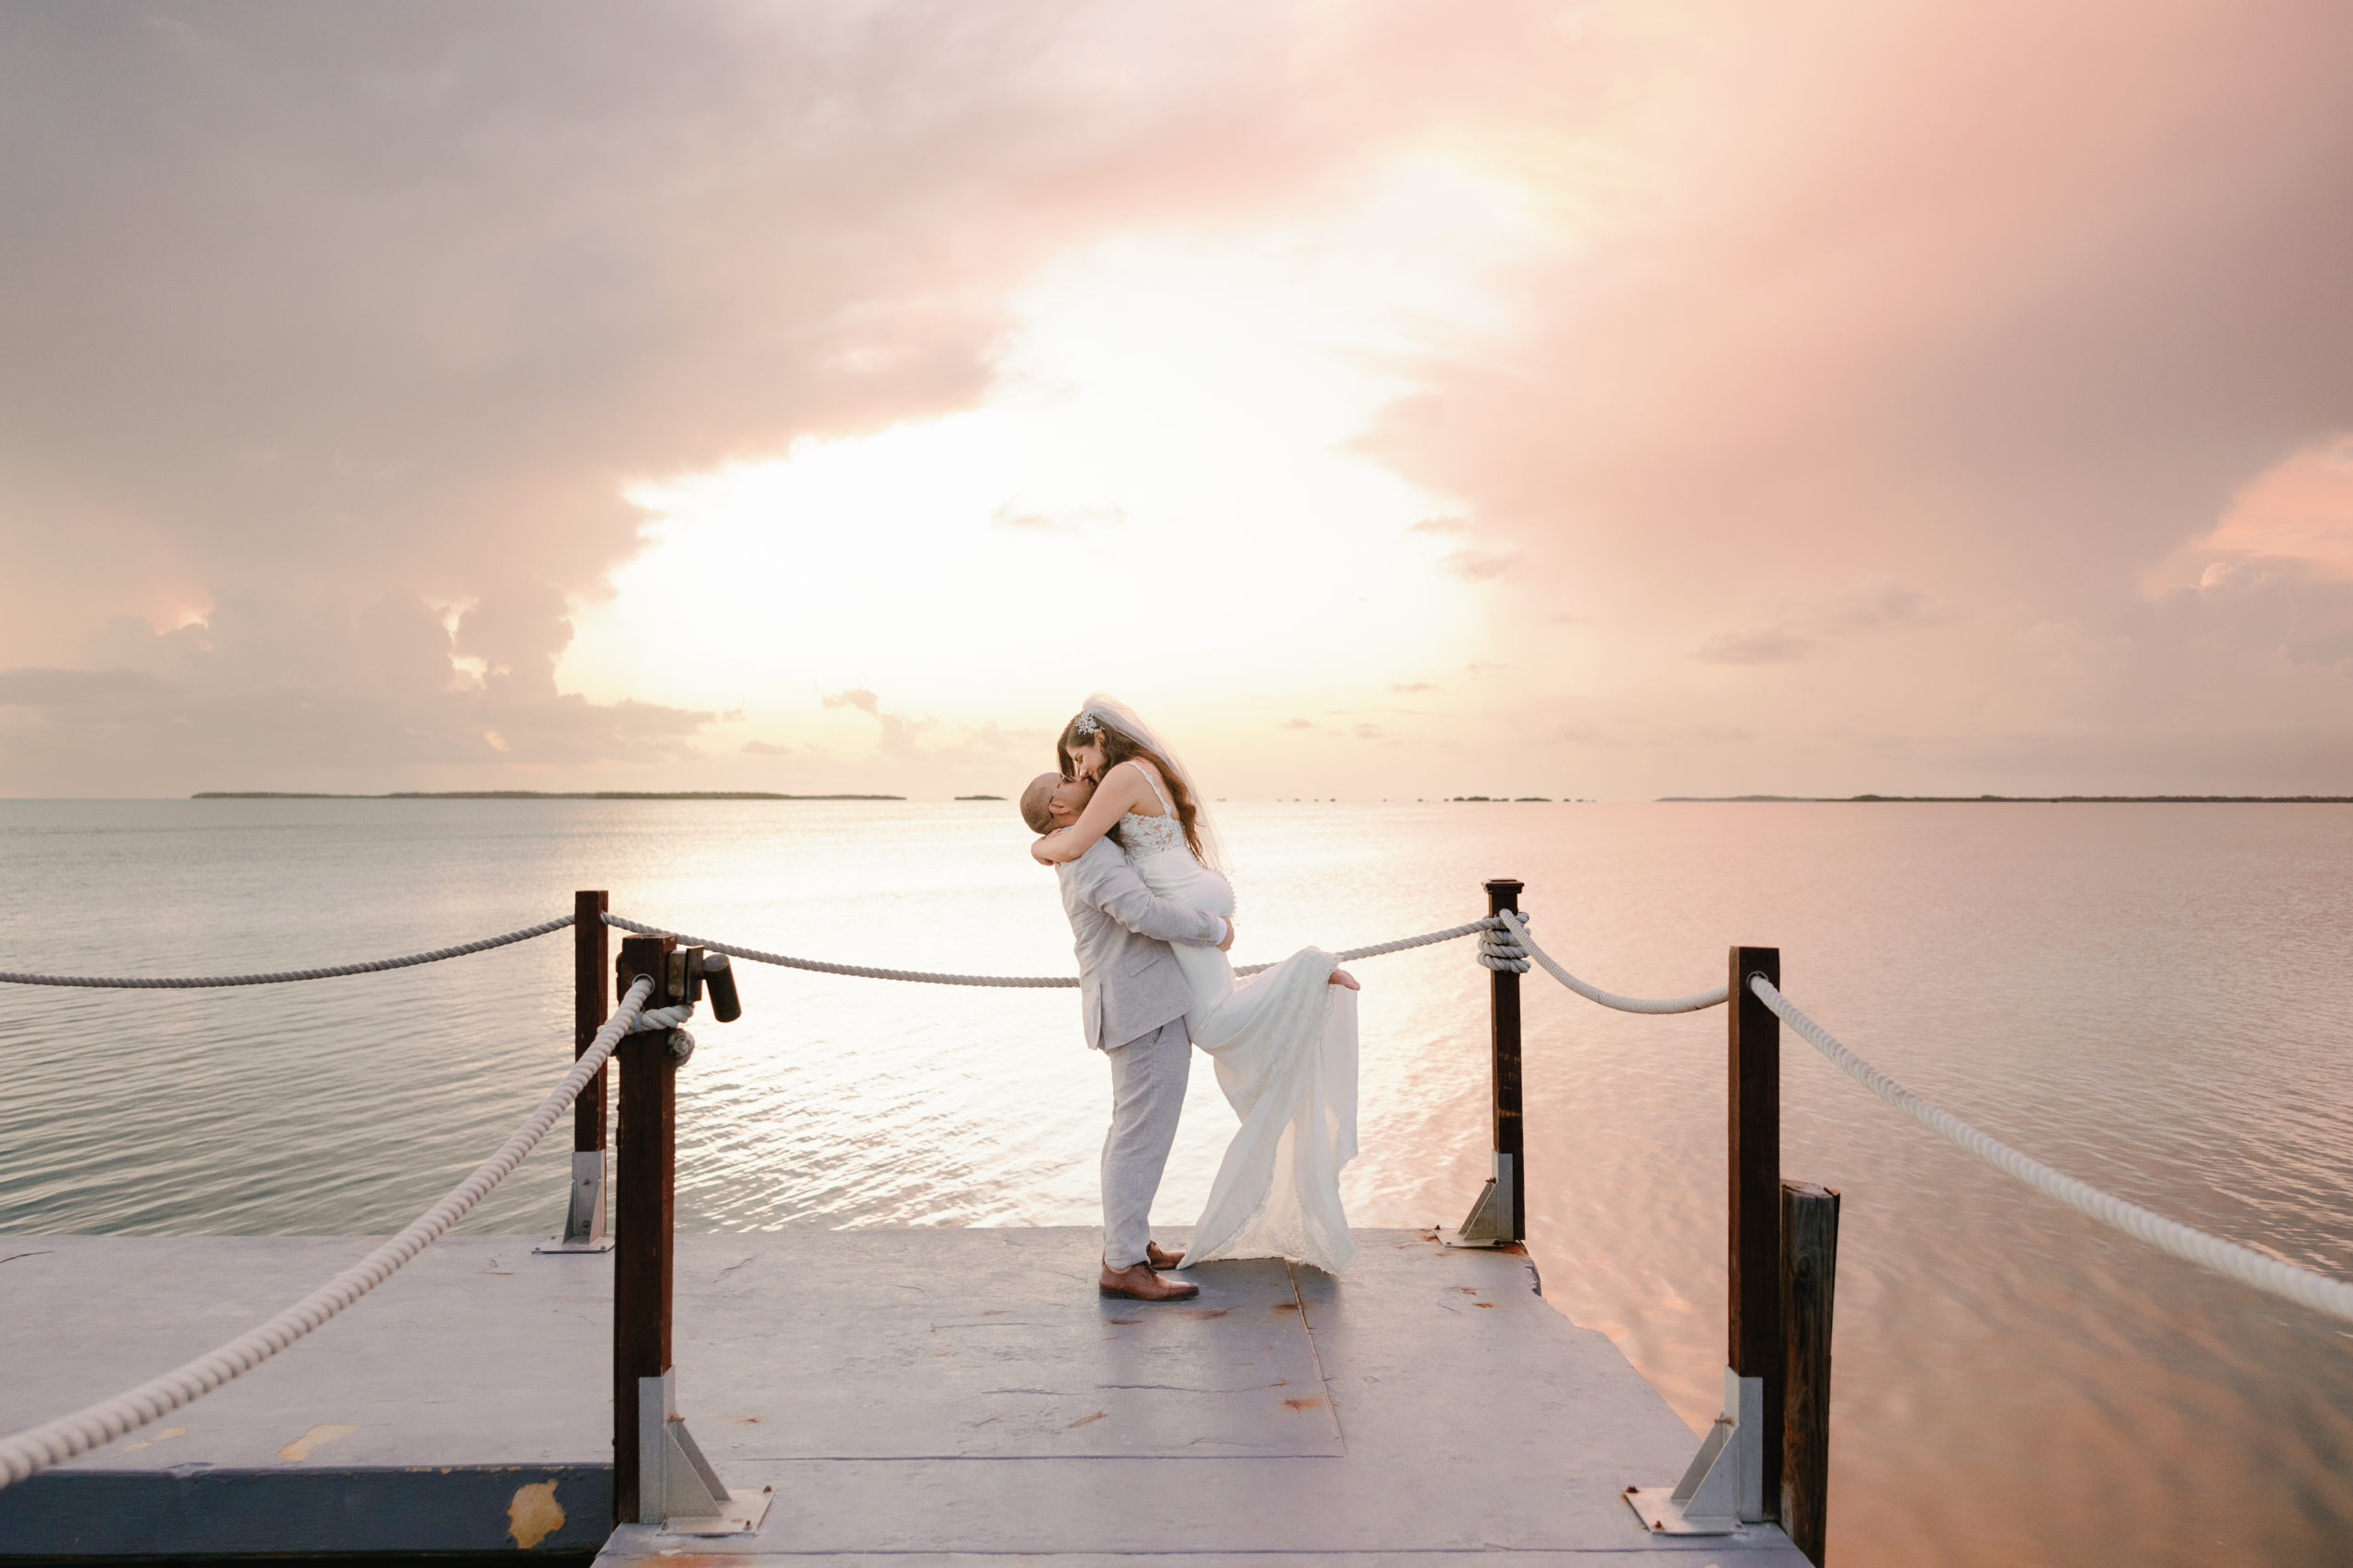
[
  {"x": 1160, "y": 1259},
  {"x": 1139, "y": 1283}
]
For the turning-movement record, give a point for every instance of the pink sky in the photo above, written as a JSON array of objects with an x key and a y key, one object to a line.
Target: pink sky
[{"x": 1390, "y": 399}]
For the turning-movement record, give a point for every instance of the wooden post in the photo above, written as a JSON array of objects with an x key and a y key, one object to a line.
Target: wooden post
[
  {"x": 1809, "y": 1277},
  {"x": 585, "y": 1216},
  {"x": 592, "y": 959},
  {"x": 647, "y": 1180},
  {"x": 1503, "y": 1006},
  {"x": 1754, "y": 1168}
]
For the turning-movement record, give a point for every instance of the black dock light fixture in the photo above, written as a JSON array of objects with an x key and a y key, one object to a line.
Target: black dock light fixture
[{"x": 719, "y": 979}]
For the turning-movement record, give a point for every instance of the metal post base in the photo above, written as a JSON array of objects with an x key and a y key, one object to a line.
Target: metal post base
[
  {"x": 677, "y": 1488},
  {"x": 1725, "y": 1486},
  {"x": 1489, "y": 1223},
  {"x": 583, "y": 1223}
]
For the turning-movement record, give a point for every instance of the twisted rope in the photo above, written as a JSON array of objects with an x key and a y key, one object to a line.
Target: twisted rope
[
  {"x": 213, "y": 981},
  {"x": 1524, "y": 947},
  {"x": 2248, "y": 1266},
  {"x": 1350, "y": 955},
  {"x": 1500, "y": 949},
  {"x": 35, "y": 1450},
  {"x": 1025, "y": 981}
]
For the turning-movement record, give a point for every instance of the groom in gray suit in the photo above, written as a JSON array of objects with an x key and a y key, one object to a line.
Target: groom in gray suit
[{"x": 1131, "y": 999}]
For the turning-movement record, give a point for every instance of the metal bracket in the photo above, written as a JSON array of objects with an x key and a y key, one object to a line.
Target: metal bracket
[
  {"x": 1725, "y": 1486},
  {"x": 1489, "y": 1223},
  {"x": 583, "y": 1223},
  {"x": 677, "y": 1488}
]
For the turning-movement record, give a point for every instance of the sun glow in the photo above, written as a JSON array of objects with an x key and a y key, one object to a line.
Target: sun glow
[{"x": 1160, "y": 495}]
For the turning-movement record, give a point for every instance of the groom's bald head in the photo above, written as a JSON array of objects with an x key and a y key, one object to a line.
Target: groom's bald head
[
  {"x": 1052, "y": 801},
  {"x": 1038, "y": 801}
]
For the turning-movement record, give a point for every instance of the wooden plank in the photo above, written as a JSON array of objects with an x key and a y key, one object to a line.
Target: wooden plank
[
  {"x": 1809, "y": 1280},
  {"x": 1754, "y": 1173}
]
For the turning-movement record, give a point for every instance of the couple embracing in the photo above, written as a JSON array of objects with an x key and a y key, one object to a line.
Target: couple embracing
[{"x": 1143, "y": 881}]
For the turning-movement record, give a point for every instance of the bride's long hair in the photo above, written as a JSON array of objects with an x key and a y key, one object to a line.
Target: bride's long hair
[{"x": 1119, "y": 746}]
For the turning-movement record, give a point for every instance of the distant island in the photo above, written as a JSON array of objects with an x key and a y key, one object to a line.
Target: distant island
[
  {"x": 527, "y": 795},
  {"x": 2035, "y": 800},
  {"x": 980, "y": 796}
]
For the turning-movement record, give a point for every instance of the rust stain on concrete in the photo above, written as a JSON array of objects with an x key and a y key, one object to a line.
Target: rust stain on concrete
[
  {"x": 534, "y": 1514},
  {"x": 165, "y": 1436},
  {"x": 1084, "y": 1419},
  {"x": 315, "y": 1438}
]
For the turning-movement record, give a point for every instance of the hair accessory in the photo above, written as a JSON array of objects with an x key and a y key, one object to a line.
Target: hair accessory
[{"x": 1087, "y": 725}]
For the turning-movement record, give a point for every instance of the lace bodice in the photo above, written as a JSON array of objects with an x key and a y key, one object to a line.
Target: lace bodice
[{"x": 1152, "y": 835}]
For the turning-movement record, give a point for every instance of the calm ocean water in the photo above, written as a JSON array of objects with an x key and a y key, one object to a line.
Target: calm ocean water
[{"x": 2154, "y": 998}]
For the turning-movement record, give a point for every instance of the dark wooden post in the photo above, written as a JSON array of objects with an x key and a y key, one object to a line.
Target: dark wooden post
[
  {"x": 647, "y": 1179},
  {"x": 1503, "y": 1006},
  {"x": 1754, "y": 1261},
  {"x": 592, "y": 959},
  {"x": 1809, "y": 1277},
  {"x": 592, "y": 946}
]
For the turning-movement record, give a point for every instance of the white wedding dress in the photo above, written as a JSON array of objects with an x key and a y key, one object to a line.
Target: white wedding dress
[{"x": 1285, "y": 1044}]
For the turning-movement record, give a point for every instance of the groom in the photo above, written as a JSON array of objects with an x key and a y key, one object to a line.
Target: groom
[{"x": 1131, "y": 999}]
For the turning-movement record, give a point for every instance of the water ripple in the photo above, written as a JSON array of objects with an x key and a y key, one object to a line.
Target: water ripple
[{"x": 2150, "y": 998}]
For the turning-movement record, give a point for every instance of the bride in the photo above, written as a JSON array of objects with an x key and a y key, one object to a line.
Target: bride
[{"x": 1284, "y": 1039}]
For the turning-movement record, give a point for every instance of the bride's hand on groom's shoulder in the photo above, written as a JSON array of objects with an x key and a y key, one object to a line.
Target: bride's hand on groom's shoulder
[{"x": 1227, "y": 946}]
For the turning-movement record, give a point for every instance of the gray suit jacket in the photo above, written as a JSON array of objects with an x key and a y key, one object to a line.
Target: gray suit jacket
[{"x": 1129, "y": 983}]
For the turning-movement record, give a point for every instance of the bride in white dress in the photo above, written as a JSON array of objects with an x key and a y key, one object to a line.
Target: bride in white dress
[{"x": 1284, "y": 1039}]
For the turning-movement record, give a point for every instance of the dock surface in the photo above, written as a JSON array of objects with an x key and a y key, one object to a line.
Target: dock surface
[{"x": 930, "y": 1394}]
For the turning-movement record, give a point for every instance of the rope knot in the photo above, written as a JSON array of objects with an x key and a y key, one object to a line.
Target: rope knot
[{"x": 1499, "y": 945}]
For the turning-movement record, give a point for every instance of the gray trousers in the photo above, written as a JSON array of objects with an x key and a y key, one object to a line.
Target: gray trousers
[{"x": 1148, "y": 1079}]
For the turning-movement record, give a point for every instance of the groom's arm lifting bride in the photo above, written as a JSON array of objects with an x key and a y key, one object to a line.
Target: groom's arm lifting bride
[{"x": 1132, "y": 1000}]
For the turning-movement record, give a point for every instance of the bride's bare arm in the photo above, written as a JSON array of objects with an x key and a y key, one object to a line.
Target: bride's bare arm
[{"x": 1123, "y": 790}]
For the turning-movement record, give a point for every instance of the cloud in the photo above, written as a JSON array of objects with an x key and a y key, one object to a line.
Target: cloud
[
  {"x": 351, "y": 314},
  {"x": 1479, "y": 566},
  {"x": 1884, "y": 330},
  {"x": 1887, "y": 605},
  {"x": 925, "y": 747},
  {"x": 2298, "y": 510},
  {"x": 73, "y": 689},
  {"x": 1765, "y": 647},
  {"x": 1907, "y": 342},
  {"x": 1075, "y": 520},
  {"x": 1296, "y": 725}
]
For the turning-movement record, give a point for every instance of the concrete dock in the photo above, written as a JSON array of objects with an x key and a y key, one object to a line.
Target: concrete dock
[{"x": 933, "y": 1394}]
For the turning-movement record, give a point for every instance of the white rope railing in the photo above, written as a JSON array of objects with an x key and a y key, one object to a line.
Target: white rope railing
[
  {"x": 213, "y": 982},
  {"x": 1511, "y": 947},
  {"x": 35, "y": 1450},
  {"x": 2291, "y": 1281},
  {"x": 1350, "y": 955},
  {"x": 1027, "y": 982}
]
